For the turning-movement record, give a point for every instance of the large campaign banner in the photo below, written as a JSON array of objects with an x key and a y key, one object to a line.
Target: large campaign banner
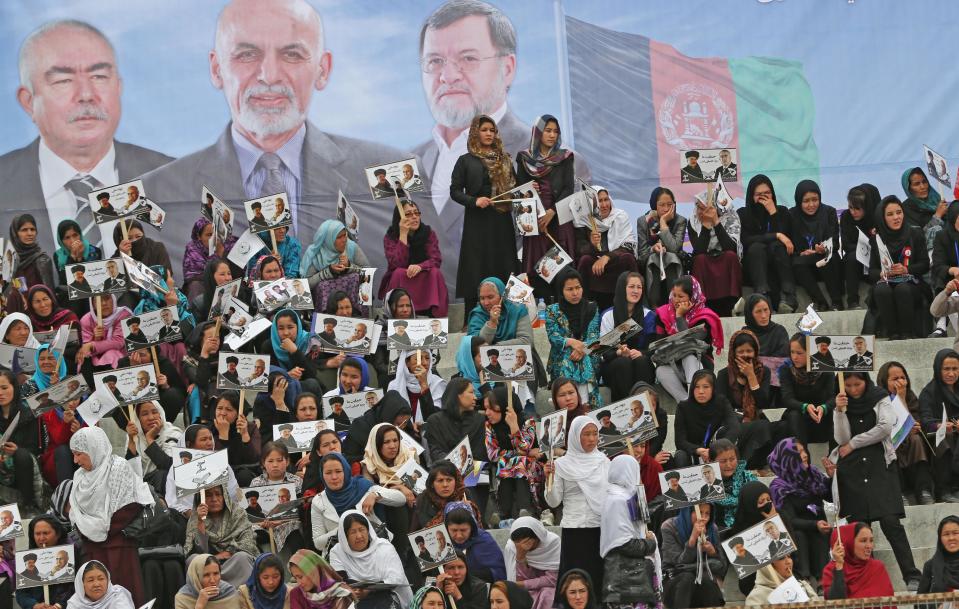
[{"x": 249, "y": 99}]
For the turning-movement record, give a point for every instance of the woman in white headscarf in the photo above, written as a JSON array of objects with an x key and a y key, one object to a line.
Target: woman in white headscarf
[
  {"x": 579, "y": 483},
  {"x": 364, "y": 557},
  {"x": 532, "y": 559},
  {"x": 418, "y": 385},
  {"x": 107, "y": 495},
  {"x": 154, "y": 439},
  {"x": 17, "y": 335},
  {"x": 625, "y": 541},
  {"x": 605, "y": 246},
  {"x": 94, "y": 590}
]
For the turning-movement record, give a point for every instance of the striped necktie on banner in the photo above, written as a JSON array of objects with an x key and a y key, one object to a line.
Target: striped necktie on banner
[{"x": 81, "y": 187}]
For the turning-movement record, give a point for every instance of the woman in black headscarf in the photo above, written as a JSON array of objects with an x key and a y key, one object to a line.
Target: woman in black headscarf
[
  {"x": 899, "y": 292},
  {"x": 702, "y": 418},
  {"x": 488, "y": 247},
  {"x": 767, "y": 247},
  {"x": 755, "y": 505},
  {"x": 915, "y": 455},
  {"x": 458, "y": 584},
  {"x": 860, "y": 217},
  {"x": 806, "y": 395},
  {"x": 572, "y": 324},
  {"x": 815, "y": 235},
  {"x": 140, "y": 247},
  {"x": 413, "y": 260},
  {"x": 939, "y": 398},
  {"x": 941, "y": 572},
  {"x": 868, "y": 481},
  {"x": 659, "y": 241},
  {"x": 33, "y": 264},
  {"x": 628, "y": 364},
  {"x": 945, "y": 268},
  {"x": 773, "y": 338},
  {"x": 216, "y": 272}
]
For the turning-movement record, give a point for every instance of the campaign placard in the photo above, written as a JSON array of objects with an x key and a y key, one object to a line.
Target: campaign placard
[
  {"x": 632, "y": 419},
  {"x": 260, "y": 501},
  {"x": 98, "y": 404},
  {"x": 433, "y": 546},
  {"x": 518, "y": 291},
  {"x": 45, "y": 566},
  {"x": 841, "y": 353},
  {"x": 10, "y": 261},
  {"x": 280, "y": 293},
  {"x": 297, "y": 437},
  {"x": 143, "y": 276},
  {"x": 350, "y": 405},
  {"x": 245, "y": 248},
  {"x": 526, "y": 209},
  {"x": 507, "y": 363},
  {"x": 23, "y": 359},
  {"x": 407, "y": 334},
  {"x": 337, "y": 334},
  {"x": 129, "y": 385},
  {"x": 198, "y": 473},
  {"x": 235, "y": 315},
  {"x": 395, "y": 178},
  {"x": 691, "y": 485},
  {"x": 615, "y": 337},
  {"x": 266, "y": 213},
  {"x": 706, "y": 164},
  {"x": 239, "y": 337},
  {"x": 243, "y": 371},
  {"x": 11, "y": 526},
  {"x": 70, "y": 388},
  {"x": 554, "y": 261},
  {"x": 759, "y": 545},
  {"x": 96, "y": 277},
  {"x": 347, "y": 215},
  {"x": 73, "y": 336},
  {"x": 119, "y": 201},
  {"x": 365, "y": 291},
  {"x": 413, "y": 476},
  {"x": 152, "y": 328},
  {"x": 936, "y": 166},
  {"x": 462, "y": 457},
  {"x": 551, "y": 430},
  {"x": 230, "y": 289}
]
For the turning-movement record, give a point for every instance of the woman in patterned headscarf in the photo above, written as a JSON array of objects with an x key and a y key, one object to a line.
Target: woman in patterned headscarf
[{"x": 488, "y": 247}]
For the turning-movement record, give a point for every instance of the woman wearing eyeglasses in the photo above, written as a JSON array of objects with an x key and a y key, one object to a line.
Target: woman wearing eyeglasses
[{"x": 413, "y": 261}]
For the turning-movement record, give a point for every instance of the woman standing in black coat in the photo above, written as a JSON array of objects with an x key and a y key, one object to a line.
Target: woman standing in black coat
[
  {"x": 488, "y": 247},
  {"x": 551, "y": 166},
  {"x": 899, "y": 292}
]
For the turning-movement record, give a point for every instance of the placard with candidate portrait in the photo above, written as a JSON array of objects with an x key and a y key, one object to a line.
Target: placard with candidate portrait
[
  {"x": 221, "y": 293},
  {"x": 279, "y": 293},
  {"x": 706, "y": 164},
  {"x": 347, "y": 215},
  {"x": 507, "y": 362},
  {"x": 348, "y": 407},
  {"x": 23, "y": 359},
  {"x": 236, "y": 338},
  {"x": 269, "y": 212},
  {"x": 201, "y": 472},
  {"x": 129, "y": 385},
  {"x": 70, "y": 388},
  {"x": 260, "y": 501},
  {"x": 10, "y": 261},
  {"x": 555, "y": 260},
  {"x": 551, "y": 430},
  {"x": 632, "y": 419},
  {"x": 143, "y": 276},
  {"x": 751, "y": 549},
  {"x": 526, "y": 209},
  {"x": 298, "y": 437},
  {"x": 222, "y": 226},
  {"x": 96, "y": 277},
  {"x": 413, "y": 476},
  {"x": 619, "y": 335},
  {"x": 235, "y": 315},
  {"x": 408, "y": 334},
  {"x": 118, "y": 201},
  {"x": 841, "y": 353},
  {"x": 45, "y": 566},
  {"x": 243, "y": 371},
  {"x": 462, "y": 457},
  {"x": 208, "y": 200},
  {"x": 151, "y": 328},
  {"x": 518, "y": 291},
  {"x": 691, "y": 485},
  {"x": 73, "y": 336},
  {"x": 395, "y": 178},
  {"x": 433, "y": 546},
  {"x": 11, "y": 526},
  {"x": 936, "y": 166},
  {"x": 336, "y": 334},
  {"x": 365, "y": 291},
  {"x": 152, "y": 214}
]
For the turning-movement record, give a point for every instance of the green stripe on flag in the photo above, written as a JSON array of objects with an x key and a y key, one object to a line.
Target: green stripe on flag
[{"x": 776, "y": 111}]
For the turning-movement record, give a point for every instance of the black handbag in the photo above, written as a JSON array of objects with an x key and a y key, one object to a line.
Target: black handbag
[
  {"x": 628, "y": 580},
  {"x": 152, "y": 521}
]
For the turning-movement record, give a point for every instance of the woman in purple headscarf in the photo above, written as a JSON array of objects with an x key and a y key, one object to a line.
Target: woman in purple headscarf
[
  {"x": 798, "y": 492},
  {"x": 197, "y": 254}
]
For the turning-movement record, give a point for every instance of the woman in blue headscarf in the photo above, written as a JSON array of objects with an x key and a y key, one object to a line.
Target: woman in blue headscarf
[
  {"x": 47, "y": 371},
  {"x": 266, "y": 587},
  {"x": 153, "y": 301},
  {"x": 331, "y": 254},
  {"x": 288, "y": 345},
  {"x": 497, "y": 320},
  {"x": 466, "y": 357}
]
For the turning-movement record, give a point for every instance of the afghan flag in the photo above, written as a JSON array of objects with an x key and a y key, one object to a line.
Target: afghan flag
[{"x": 639, "y": 106}]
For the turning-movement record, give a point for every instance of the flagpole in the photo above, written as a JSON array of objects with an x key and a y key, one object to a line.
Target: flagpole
[{"x": 562, "y": 63}]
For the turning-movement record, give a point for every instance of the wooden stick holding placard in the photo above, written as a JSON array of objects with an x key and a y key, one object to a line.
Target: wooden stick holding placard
[
  {"x": 553, "y": 240},
  {"x": 276, "y": 252},
  {"x": 203, "y": 499},
  {"x": 419, "y": 358},
  {"x": 699, "y": 516},
  {"x": 399, "y": 205},
  {"x": 242, "y": 400},
  {"x": 156, "y": 364},
  {"x": 509, "y": 395},
  {"x": 132, "y": 412},
  {"x": 46, "y": 594},
  {"x": 451, "y": 599},
  {"x": 549, "y": 479},
  {"x": 842, "y": 383},
  {"x": 272, "y": 540},
  {"x": 60, "y": 357},
  {"x": 99, "y": 312},
  {"x": 123, "y": 229}
]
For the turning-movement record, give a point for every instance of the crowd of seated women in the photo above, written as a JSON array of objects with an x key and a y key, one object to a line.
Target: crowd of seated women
[{"x": 356, "y": 512}]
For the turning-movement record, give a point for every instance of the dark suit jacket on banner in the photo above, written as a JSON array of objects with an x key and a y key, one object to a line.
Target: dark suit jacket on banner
[
  {"x": 22, "y": 192},
  {"x": 329, "y": 163}
]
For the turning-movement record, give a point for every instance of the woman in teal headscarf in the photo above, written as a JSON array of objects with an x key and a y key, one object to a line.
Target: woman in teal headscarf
[
  {"x": 498, "y": 320},
  {"x": 331, "y": 254},
  {"x": 46, "y": 362},
  {"x": 74, "y": 247},
  {"x": 466, "y": 362},
  {"x": 922, "y": 204}
]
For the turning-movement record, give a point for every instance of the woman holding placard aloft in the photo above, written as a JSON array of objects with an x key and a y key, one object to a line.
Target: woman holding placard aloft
[
  {"x": 101, "y": 336},
  {"x": 899, "y": 292},
  {"x": 579, "y": 483},
  {"x": 868, "y": 477},
  {"x": 479, "y": 178}
]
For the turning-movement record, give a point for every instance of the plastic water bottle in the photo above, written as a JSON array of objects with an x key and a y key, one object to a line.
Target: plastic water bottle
[{"x": 540, "y": 313}]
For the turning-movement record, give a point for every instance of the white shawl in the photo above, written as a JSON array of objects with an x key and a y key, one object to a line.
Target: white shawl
[
  {"x": 406, "y": 381},
  {"x": 116, "y": 596},
  {"x": 587, "y": 469},
  {"x": 544, "y": 557},
  {"x": 379, "y": 562},
  {"x": 617, "y": 527},
  {"x": 7, "y": 321},
  {"x": 167, "y": 440},
  {"x": 616, "y": 224},
  {"x": 111, "y": 484}
]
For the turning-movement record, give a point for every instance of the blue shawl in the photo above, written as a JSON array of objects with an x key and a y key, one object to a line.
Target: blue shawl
[
  {"x": 302, "y": 339},
  {"x": 510, "y": 316},
  {"x": 322, "y": 253},
  {"x": 42, "y": 379},
  {"x": 354, "y": 488}
]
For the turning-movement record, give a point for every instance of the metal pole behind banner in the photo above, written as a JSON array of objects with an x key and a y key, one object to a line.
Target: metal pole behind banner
[{"x": 562, "y": 62}]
